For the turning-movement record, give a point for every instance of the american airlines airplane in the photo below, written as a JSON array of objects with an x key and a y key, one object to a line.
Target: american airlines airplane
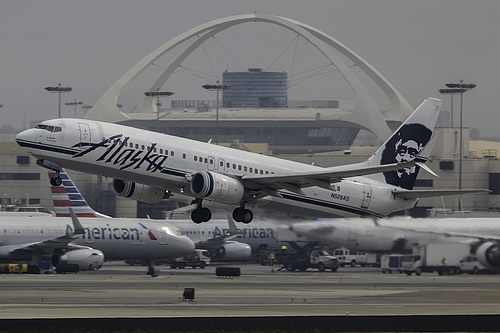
[
  {"x": 150, "y": 166},
  {"x": 400, "y": 234},
  {"x": 221, "y": 238},
  {"x": 88, "y": 241}
]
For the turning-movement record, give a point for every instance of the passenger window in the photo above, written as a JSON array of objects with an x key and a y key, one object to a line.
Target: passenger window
[
  {"x": 239, "y": 167},
  {"x": 245, "y": 169},
  {"x": 172, "y": 153},
  {"x": 234, "y": 166},
  {"x": 206, "y": 160},
  {"x": 136, "y": 146},
  {"x": 142, "y": 147},
  {"x": 184, "y": 156},
  {"x": 221, "y": 163},
  {"x": 196, "y": 158}
]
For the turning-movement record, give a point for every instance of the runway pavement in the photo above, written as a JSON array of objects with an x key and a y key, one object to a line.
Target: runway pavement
[{"x": 118, "y": 291}]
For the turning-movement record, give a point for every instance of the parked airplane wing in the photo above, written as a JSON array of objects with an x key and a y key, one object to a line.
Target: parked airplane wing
[
  {"x": 414, "y": 194},
  {"x": 47, "y": 246}
]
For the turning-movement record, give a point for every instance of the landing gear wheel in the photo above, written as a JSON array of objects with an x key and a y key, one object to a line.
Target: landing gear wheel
[
  {"x": 56, "y": 181},
  {"x": 200, "y": 215},
  {"x": 242, "y": 215}
]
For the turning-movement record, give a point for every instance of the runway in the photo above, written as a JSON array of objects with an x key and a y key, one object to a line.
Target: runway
[{"x": 118, "y": 291}]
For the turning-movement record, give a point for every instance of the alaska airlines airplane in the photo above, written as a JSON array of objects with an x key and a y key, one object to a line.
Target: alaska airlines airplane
[
  {"x": 89, "y": 241},
  {"x": 150, "y": 166},
  {"x": 401, "y": 234}
]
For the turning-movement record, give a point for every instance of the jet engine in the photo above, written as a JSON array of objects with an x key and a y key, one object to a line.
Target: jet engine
[
  {"x": 488, "y": 254},
  {"x": 217, "y": 187},
  {"x": 139, "y": 192},
  {"x": 234, "y": 251},
  {"x": 87, "y": 258}
]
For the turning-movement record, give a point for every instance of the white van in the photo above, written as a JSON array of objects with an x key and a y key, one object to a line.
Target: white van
[{"x": 348, "y": 257}]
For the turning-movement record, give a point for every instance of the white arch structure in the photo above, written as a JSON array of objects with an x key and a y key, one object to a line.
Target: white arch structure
[{"x": 365, "y": 112}]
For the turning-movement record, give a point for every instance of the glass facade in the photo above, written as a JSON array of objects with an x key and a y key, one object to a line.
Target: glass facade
[{"x": 255, "y": 89}]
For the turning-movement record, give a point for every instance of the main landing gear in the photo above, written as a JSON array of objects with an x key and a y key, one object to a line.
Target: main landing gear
[
  {"x": 202, "y": 214},
  {"x": 241, "y": 214}
]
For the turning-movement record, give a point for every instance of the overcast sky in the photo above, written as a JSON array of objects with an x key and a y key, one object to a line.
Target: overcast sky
[{"x": 418, "y": 45}]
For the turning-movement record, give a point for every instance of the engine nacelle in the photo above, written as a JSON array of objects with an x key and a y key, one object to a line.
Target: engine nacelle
[
  {"x": 87, "y": 258},
  {"x": 234, "y": 251},
  {"x": 217, "y": 187},
  {"x": 139, "y": 192},
  {"x": 488, "y": 254}
]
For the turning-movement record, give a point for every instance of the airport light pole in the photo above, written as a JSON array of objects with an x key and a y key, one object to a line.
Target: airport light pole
[
  {"x": 59, "y": 90},
  {"x": 460, "y": 88},
  {"x": 86, "y": 107},
  {"x": 74, "y": 103},
  {"x": 216, "y": 87},
  {"x": 451, "y": 92},
  {"x": 158, "y": 94}
]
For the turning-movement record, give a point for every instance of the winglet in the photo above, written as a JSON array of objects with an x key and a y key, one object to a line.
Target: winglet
[
  {"x": 232, "y": 227},
  {"x": 79, "y": 230}
]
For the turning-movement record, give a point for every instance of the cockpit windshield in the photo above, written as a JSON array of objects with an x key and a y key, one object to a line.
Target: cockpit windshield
[{"x": 49, "y": 128}]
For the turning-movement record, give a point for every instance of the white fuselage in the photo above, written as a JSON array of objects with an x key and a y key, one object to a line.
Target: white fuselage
[
  {"x": 396, "y": 234},
  {"x": 258, "y": 234},
  {"x": 168, "y": 162},
  {"x": 118, "y": 239}
]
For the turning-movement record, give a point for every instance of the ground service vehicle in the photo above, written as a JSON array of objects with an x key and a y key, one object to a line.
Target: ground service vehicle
[
  {"x": 391, "y": 263},
  {"x": 471, "y": 265},
  {"x": 443, "y": 258},
  {"x": 302, "y": 260},
  {"x": 351, "y": 258},
  {"x": 199, "y": 258}
]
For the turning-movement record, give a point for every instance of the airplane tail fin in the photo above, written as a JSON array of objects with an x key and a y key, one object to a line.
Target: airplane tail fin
[
  {"x": 68, "y": 196},
  {"x": 407, "y": 143}
]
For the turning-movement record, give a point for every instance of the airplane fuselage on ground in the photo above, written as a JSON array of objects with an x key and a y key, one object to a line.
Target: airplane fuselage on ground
[{"x": 22, "y": 237}]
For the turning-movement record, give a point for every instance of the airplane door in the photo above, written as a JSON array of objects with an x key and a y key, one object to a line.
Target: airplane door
[
  {"x": 211, "y": 163},
  {"x": 163, "y": 236},
  {"x": 84, "y": 134},
  {"x": 367, "y": 195}
]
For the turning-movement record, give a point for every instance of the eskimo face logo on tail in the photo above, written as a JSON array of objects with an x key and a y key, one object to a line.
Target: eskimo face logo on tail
[{"x": 405, "y": 146}]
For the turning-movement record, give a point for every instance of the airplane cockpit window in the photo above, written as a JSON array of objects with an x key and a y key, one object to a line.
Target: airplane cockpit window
[{"x": 49, "y": 128}]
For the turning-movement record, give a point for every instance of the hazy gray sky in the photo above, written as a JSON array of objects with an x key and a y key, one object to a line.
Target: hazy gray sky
[{"x": 418, "y": 45}]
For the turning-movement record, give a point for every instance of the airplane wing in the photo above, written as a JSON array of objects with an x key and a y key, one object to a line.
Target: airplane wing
[
  {"x": 324, "y": 178},
  {"x": 48, "y": 246},
  {"x": 216, "y": 242},
  {"x": 415, "y": 194}
]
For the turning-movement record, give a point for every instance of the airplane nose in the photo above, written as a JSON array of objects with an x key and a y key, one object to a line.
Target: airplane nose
[{"x": 24, "y": 137}]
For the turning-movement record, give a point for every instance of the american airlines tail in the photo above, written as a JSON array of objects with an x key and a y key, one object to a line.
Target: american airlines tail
[
  {"x": 68, "y": 196},
  {"x": 406, "y": 144}
]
